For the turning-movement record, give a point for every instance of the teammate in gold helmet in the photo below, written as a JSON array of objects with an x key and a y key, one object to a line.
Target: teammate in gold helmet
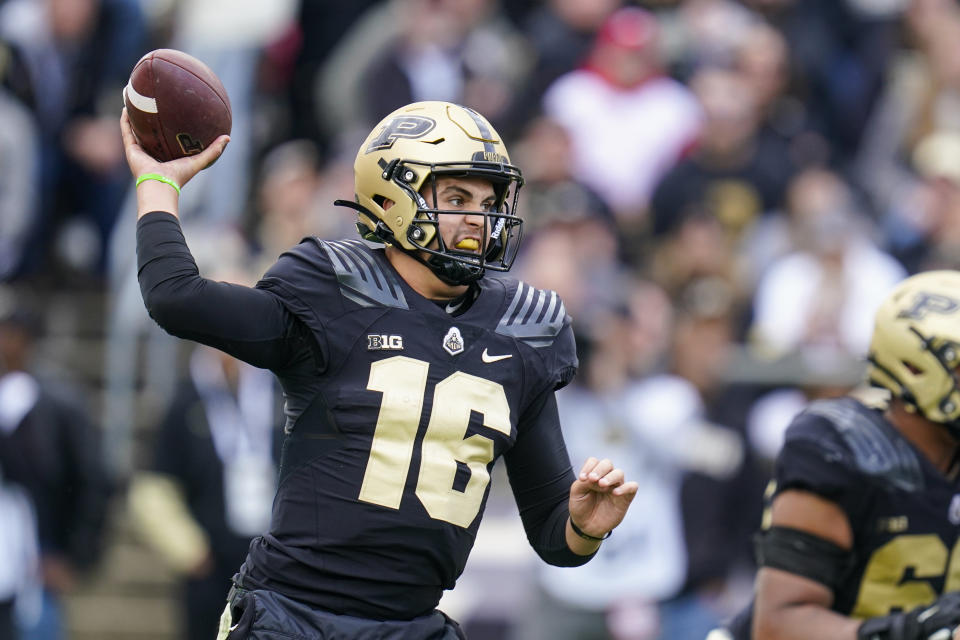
[
  {"x": 915, "y": 349},
  {"x": 861, "y": 536}
]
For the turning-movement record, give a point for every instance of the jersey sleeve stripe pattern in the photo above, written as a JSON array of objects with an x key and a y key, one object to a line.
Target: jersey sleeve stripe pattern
[
  {"x": 877, "y": 450},
  {"x": 361, "y": 279},
  {"x": 526, "y": 319}
]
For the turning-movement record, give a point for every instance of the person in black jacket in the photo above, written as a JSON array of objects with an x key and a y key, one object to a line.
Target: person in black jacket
[
  {"x": 210, "y": 486},
  {"x": 50, "y": 447}
]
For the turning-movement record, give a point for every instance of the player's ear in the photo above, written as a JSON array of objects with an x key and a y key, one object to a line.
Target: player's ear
[{"x": 387, "y": 203}]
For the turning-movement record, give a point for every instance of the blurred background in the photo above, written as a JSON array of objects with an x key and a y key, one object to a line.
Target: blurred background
[{"x": 720, "y": 190}]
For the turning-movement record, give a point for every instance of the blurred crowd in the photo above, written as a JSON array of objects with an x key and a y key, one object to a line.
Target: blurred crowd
[{"x": 722, "y": 191}]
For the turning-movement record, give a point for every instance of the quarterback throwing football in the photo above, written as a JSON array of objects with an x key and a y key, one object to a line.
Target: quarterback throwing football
[{"x": 407, "y": 373}]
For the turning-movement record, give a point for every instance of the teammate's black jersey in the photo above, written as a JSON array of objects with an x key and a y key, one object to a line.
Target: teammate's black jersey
[
  {"x": 396, "y": 412},
  {"x": 904, "y": 513}
]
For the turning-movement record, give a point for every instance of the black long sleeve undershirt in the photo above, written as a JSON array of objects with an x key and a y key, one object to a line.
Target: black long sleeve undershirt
[
  {"x": 248, "y": 323},
  {"x": 538, "y": 453}
]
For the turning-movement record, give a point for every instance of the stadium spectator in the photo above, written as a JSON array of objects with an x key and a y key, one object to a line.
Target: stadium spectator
[
  {"x": 841, "y": 52},
  {"x": 208, "y": 490},
  {"x": 909, "y": 187},
  {"x": 19, "y": 175},
  {"x": 704, "y": 33},
  {"x": 460, "y": 51},
  {"x": 230, "y": 37},
  {"x": 699, "y": 248},
  {"x": 400, "y": 51},
  {"x": 824, "y": 291},
  {"x": 657, "y": 578},
  {"x": 49, "y": 446},
  {"x": 762, "y": 57},
  {"x": 293, "y": 193},
  {"x": 318, "y": 29},
  {"x": 930, "y": 238},
  {"x": 77, "y": 55},
  {"x": 590, "y": 273},
  {"x": 734, "y": 174},
  {"x": 552, "y": 192},
  {"x": 629, "y": 123},
  {"x": 560, "y": 34},
  {"x": 19, "y": 566}
]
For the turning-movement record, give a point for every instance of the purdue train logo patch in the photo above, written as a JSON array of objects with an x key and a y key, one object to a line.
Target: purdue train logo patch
[{"x": 453, "y": 342}]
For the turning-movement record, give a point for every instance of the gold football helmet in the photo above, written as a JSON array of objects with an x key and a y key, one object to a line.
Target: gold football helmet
[
  {"x": 400, "y": 161},
  {"x": 915, "y": 349}
]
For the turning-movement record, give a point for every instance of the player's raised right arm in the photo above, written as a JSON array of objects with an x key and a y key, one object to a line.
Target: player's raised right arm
[{"x": 249, "y": 324}]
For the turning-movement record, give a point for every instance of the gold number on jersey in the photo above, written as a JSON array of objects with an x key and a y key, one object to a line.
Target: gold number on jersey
[
  {"x": 883, "y": 587},
  {"x": 403, "y": 382},
  {"x": 444, "y": 445}
]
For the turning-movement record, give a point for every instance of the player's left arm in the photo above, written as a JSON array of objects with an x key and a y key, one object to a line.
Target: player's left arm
[
  {"x": 546, "y": 490},
  {"x": 789, "y": 605}
]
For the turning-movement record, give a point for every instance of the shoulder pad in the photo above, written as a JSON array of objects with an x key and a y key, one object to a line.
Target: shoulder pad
[
  {"x": 534, "y": 316},
  {"x": 878, "y": 448},
  {"x": 362, "y": 279}
]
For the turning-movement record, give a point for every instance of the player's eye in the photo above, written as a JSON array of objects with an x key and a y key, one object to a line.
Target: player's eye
[{"x": 455, "y": 201}]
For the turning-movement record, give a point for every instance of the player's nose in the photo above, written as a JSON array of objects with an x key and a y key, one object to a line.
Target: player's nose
[{"x": 475, "y": 220}]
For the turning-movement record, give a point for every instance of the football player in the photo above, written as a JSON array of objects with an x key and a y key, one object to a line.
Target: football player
[
  {"x": 860, "y": 538},
  {"x": 407, "y": 373}
]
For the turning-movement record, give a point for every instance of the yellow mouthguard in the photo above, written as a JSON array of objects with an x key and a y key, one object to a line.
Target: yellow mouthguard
[{"x": 470, "y": 244}]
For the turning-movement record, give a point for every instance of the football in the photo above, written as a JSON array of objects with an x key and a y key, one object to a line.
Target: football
[{"x": 176, "y": 104}]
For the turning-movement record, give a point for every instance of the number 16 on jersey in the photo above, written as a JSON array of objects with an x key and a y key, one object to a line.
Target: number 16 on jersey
[{"x": 403, "y": 383}]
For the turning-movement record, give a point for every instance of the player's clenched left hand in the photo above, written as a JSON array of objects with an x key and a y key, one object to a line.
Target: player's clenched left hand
[{"x": 599, "y": 497}]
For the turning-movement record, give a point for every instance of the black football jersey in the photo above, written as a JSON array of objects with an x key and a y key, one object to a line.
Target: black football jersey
[
  {"x": 904, "y": 513},
  {"x": 396, "y": 413}
]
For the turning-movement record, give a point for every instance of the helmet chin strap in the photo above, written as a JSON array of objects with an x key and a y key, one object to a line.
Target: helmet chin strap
[{"x": 450, "y": 271}]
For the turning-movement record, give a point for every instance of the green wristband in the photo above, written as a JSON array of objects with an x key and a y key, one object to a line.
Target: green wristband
[{"x": 158, "y": 178}]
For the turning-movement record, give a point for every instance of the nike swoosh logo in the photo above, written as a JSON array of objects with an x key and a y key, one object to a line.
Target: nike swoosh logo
[{"x": 486, "y": 357}]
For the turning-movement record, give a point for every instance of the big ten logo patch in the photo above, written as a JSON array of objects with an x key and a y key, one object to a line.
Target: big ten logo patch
[{"x": 383, "y": 342}]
